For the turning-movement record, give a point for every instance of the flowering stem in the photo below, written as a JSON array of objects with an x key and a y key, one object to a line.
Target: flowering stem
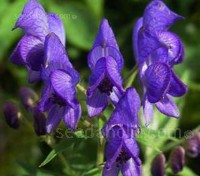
[
  {"x": 174, "y": 144},
  {"x": 101, "y": 143},
  {"x": 81, "y": 88},
  {"x": 131, "y": 76}
]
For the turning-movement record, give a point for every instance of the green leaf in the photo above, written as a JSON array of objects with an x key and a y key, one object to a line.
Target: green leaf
[
  {"x": 93, "y": 172},
  {"x": 61, "y": 147}
]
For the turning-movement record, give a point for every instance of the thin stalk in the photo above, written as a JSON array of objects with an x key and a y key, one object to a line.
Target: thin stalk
[
  {"x": 101, "y": 144},
  {"x": 81, "y": 88},
  {"x": 174, "y": 144},
  {"x": 131, "y": 76}
]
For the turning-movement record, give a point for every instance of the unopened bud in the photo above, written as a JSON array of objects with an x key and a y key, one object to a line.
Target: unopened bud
[
  {"x": 193, "y": 145},
  {"x": 28, "y": 97},
  {"x": 158, "y": 165},
  {"x": 11, "y": 114},
  {"x": 177, "y": 159},
  {"x": 39, "y": 122}
]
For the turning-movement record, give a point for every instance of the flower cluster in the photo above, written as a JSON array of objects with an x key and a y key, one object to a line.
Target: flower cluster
[
  {"x": 42, "y": 51},
  {"x": 106, "y": 63},
  {"x": 157, "y": 51}
]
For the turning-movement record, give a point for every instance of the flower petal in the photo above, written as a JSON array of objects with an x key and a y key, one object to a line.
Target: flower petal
[
  {"x": 96, "y": 103},
  {"x": 147, "y": 43},
  {"x": 105, "y": 36},
  {"x": 126, "y": 111},
  {"x": 45, "y": 102},
  {"x": 114, "y": 171},
  {"x": 114, "y": 146},
  {"x": 56, "y": 26},
  {"x": 54, "y": 117},
  {"x": 98, "y": 74},
  {"x": 28, "y": 46},
  {"x": 160, "y": 55},
  {"x": 147, "y": 111},
  {"x": 157, "y": 80},
  {"x": 55, "y": 52},
  {"x": 131, "y": 147},
  {"x": 116, "y": 95},
  {"x": 62, "y": 84},
  {"x": 130, "y": 168},
  {"x": 72, "y": 116},
  {"x": 138, "y": 25},
  {"x": 35, "y": 58},
  {"x": 173, "y": 45},
  {"x": 177, "y": 88},
  {"x": 33, "y": 20},
  {"x": 113, "y": 73},
  {"x": 33, "y": 76},
  {"x": 158, "y": 17},
  {"x": 98, "y": 52},
  {"x": 168, "y": 107},
  {"x": 16, "y": 57}
]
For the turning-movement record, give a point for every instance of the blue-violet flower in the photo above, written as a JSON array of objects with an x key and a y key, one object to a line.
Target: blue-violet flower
[
  {"x": 59, "y": 95},
  {"x": 122, "y": 151},
  {"x": 106, "y": 63},
  {"x": 36, "y": 24}
]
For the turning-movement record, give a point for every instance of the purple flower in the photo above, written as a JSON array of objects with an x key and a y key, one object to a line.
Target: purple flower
[
  {"x": 158, "y": 47},
  {"x": 158, "y": 17},
  {"x": 106, "y": 63},
  {"x": 151, "y": 37},
  {"x": 28, "y": 98},
  {"x": 39, "y": 122},
  {"x": 157, "y": 51},
  {"x": 158, "y": 165},
  {"x": 177, "y": 159},
  {"x": 59, "y": 95},
  {"x": 36, "y": 24},
  {"x": 122, "y": 151},
  {"x": 193, "y": 145},
  {"x": 11, "y": 113},
  {"x": 159, "y": 85},
  {"x": 122, "y": 154}
]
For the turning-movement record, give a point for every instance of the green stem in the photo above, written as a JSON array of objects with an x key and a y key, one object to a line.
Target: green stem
[
  {"x": 130, "y": 77},
  {"x": 101, "y": 144},
  {"x": 181, "y": 141},
  {"x": 172, "y": 145},
  {"x": 81, "y": 88}
]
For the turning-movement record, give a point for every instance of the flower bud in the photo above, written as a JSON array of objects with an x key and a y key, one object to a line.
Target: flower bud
[
  {"x": 39, "y": 122},
  {"x": 158, "y": 165},
  {"x": 193, "y": 145},
  {"x": 11, "y": 114},
  {"x": 28, "y": 97},
  {"x": 177, "y": 159}
]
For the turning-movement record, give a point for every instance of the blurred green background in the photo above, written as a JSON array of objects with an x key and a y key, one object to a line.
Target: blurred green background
[{"x": 21, "y": 149}]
